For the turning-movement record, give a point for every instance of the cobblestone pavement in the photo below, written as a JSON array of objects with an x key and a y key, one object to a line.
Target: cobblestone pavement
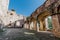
[{"x": 24, "y": 34}]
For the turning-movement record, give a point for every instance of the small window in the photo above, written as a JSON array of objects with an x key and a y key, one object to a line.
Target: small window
[
  {"x": 11, "y": 14},
  {"x": 10, "y": 24}
]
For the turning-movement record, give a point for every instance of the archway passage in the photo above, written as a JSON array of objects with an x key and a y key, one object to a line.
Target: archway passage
[
  {"x": 48, "y": 23},
  {"x": 43, "y": 19}
]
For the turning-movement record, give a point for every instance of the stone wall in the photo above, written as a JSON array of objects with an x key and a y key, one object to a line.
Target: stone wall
[{"x": 3, "y": 7}]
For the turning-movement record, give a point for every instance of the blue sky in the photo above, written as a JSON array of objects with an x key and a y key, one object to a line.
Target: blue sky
[{"x": 25, "y": 7}]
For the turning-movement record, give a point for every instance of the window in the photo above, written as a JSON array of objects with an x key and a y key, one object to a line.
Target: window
[
  {"x": 10, "y": 24},
  {"x": 11, "y": 14}
]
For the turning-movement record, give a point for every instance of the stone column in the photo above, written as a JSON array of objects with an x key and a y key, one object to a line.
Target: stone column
[
  {"x": 46, "y": 23},
  {"x": 41, "y": 25},
  {"x": 31, "y": 26},
  {"x": 35, "y": 25},
  {"x": 28, "y": 26},
  {"x": 25, "y": 25},
  {"x": 56, "y": 24}
]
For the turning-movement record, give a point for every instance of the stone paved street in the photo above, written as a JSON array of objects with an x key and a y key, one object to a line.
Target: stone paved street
[{"x": 24, "y": 34}]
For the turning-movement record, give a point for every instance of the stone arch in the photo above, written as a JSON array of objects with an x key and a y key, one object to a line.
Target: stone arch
[
  {"x": 41, "y": 18},
  {"x": 53, "y": 10},
  {"x": 33, "y": 21}
]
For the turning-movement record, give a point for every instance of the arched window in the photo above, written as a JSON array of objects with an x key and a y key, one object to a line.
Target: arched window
[{"x": 11, "y": 14}]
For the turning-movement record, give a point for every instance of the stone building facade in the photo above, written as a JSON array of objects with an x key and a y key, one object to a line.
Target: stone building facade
[
  {"x": 49, "y": 8},
  {"x": 3, "y": 9},
  {"x": 8, "y": 16},
  {"x": 14, "y": 20},
  {"x": 11, "y": 17}
]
